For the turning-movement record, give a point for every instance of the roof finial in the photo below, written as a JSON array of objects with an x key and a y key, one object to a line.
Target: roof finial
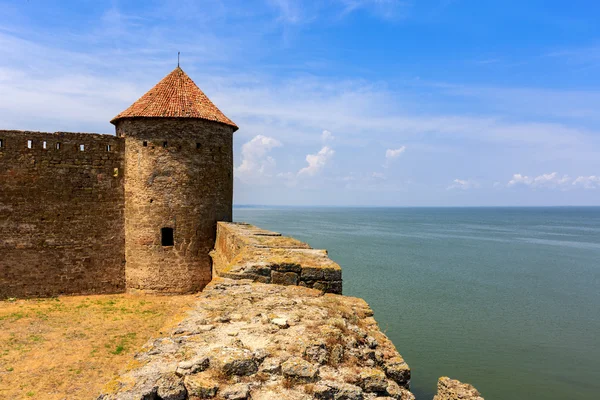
[{"x": 178, "y": 59}]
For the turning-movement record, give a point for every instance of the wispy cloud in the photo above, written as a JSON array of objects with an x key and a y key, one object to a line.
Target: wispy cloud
[
  {"x": 388, "y": 9},
  {"x": 463, "y": 184},
  {"x": 327, "y": 136},
  {"x": 316, "y": 162},
  {"x": 555, "y": 181},
  {"x": 587, "y": 182}
]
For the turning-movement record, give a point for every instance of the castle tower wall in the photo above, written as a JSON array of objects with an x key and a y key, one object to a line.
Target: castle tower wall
[{"x": 179, "y": 177}]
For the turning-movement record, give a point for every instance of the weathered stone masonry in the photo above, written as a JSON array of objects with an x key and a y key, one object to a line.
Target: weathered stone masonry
[
  {"x": 178, "y": 175},
  {"x": 61, "y": 214}
]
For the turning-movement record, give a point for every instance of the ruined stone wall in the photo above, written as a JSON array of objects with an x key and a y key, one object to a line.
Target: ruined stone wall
[
  {"x": 243, "y": 251},
  {"x": 61, "y": 214},
  {"x": 179, "y": 175}
]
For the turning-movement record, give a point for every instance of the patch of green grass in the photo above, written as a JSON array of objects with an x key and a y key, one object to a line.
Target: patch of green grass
[
  {"x": 13, "y": 316},
  {"x": 10, "y": 369},
  {"x": 120, "y": 348},
  {"x": 120, "y": 343},
  {"x": 30, "y": 394},
  {"x": 36, "y": 338}
]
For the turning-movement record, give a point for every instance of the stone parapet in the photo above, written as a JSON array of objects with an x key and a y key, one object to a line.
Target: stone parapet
[{"x": 243, "y": 251}]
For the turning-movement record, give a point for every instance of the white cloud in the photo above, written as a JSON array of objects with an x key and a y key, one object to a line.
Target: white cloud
[
  {"x": 588, "y": 182},
  {"x": 550, "y": 181},
  {"x": 327, "y": 136},
  {"x": 257, "y": 166},
  {"x": 394, "y": 153},
  {"x": 463, "y": 184},
  {"x": 316, "y": 162},
  {"x": 378, "y": 175}
]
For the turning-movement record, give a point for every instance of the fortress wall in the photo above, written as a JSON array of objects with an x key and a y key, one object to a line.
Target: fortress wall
[
  {"x": 243, "y": 251},
  {"x": 61, "y": 214}
]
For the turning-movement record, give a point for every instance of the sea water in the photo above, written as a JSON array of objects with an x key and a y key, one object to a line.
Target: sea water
[{"x": 507, "y": 299}]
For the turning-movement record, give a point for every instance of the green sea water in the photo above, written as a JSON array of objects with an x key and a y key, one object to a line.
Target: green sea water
[{"x": 507, "y": 299}]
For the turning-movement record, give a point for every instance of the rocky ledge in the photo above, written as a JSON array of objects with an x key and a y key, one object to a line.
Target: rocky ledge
[
  {"x": 268, "y": 328},
  {"x": 451, "y": 389},
  {"x": 251, "y": 340}
]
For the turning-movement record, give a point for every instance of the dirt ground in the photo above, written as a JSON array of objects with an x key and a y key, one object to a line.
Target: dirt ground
[{"x": 69, "y": 347}]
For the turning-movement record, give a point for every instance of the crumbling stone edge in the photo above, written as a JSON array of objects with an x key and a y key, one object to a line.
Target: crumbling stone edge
[{"x": 247, "y": 339}]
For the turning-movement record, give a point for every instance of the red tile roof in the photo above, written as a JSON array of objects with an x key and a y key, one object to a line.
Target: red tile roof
[{"x": 175, "y": 96}]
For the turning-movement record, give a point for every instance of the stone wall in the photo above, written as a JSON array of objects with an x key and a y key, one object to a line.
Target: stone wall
[
  {"x": 243, "y": 251},
  {"x": 179, "y": 176},
  {"x": 61, "y": 214}
]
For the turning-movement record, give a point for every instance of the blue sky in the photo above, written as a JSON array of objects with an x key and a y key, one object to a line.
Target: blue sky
[{"x": 339, "y": 102}]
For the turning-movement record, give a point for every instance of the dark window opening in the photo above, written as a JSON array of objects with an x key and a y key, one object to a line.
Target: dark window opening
[
  {"x": 166, "y": 236},
  {"x": 164, "y": 144},
  {"x": 151, "y": 200},
  {"x": 108, "y": 148},
  {"x": 145, "y": 144},
  {"x": 198, "y": 146},
  {"x": 1, "y": 143}
]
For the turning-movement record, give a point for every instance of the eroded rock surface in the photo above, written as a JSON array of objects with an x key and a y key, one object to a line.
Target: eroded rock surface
[
  {"x": 251, "y": 340},
  {"x": 269, "y": 328},
  {"x": 451, "y": 389}
]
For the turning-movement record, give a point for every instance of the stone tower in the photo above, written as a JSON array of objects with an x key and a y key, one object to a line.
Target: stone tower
[{"x": 178, "y": 184}]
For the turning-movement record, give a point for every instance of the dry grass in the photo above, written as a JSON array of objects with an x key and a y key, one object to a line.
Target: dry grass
[{"x": 69, "y": 347}]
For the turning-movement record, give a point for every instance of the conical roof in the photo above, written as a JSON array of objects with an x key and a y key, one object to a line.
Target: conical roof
[{"x": 175, "y": 96}]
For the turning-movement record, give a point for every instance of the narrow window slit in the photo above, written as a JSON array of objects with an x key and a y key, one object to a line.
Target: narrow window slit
[
  {"x": 82, "y": 147},
  {"x": 44, "y": 145},
  {"x": 145, "y": 144},
  {"x": 58, "y": 146},
  {"x": 108, "y": 147},
  {"x": 198, "y": 146},
  {"x": 164, "y": 144},
  {"x": 29, "y": 144},
  {"x": 166, "y": 236},
  {"x": 1, "y": 143}
]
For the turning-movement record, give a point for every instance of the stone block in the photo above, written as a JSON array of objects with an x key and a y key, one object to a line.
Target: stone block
[{"x": 284, "y": 278}]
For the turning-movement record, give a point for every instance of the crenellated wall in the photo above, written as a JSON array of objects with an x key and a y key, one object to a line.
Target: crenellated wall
[{"x": 61, "y": 214}]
